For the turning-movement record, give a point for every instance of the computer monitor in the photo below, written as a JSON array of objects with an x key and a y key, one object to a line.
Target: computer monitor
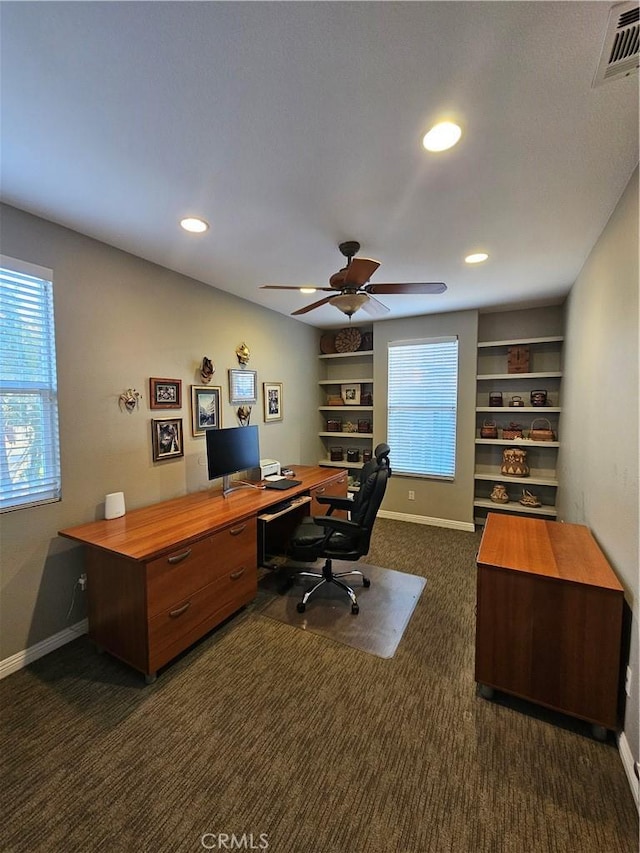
[{"x": 230, "y": 451}]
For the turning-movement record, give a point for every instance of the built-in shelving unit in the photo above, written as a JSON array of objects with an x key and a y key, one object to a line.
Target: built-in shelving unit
[
  {"x": 545, "y": 374},
  {"x": 346, "y": 369}
]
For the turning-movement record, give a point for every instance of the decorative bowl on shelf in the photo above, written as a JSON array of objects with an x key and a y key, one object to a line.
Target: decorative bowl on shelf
[{"x": 348, "y": 340}]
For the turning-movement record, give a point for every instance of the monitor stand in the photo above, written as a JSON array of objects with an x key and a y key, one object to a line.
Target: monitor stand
[{"x": 229, "y": 485}]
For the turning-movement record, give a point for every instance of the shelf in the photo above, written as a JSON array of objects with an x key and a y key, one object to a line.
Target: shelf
[
  {"x": 515, "y": 442},
  {"x": 348, "y": 435},
  {"x": 327, "y": 463},
  {"x": 492, "y": 377},
  {"x": 492, "y": 360},
  {"x": 345, "y": 408},
  {"x": 515, "y": 506},
  {"x": 368, "y": 381},
  {"x": 532, "y": 480},
  {"x": 347, "y": 354},
  {"x": 520, "y": 341},
  {"x": 539, "y": 410}
]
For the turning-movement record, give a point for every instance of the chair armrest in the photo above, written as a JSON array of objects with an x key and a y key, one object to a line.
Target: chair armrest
[
  {"x": 338, "y": 525},
  {"x": 336, "y": 502}
]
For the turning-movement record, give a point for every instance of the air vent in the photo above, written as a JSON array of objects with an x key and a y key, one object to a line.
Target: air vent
[{"x": 620, "y": 51}]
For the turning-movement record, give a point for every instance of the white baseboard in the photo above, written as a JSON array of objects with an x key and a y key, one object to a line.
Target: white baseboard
[
  {"x": 24, "y": 658},
  {"x": 627, "y": 762},
  {"x": 425, "y": 519}
]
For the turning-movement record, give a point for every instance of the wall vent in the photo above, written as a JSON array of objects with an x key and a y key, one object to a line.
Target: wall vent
[{"x": 621, "y": 48}]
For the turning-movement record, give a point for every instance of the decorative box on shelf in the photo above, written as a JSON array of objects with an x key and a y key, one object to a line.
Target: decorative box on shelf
[{"x": 518, "y": 359}]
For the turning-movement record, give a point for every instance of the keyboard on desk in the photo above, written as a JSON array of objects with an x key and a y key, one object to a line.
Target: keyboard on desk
[{"x": 280, "y": 507}]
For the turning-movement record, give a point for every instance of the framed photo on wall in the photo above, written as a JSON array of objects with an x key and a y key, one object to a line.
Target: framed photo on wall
[
  {"x": 272, "y": 394},
  {"x": 205, "y": 408},
  {"x": 243, "y": 386},
  {"x": 165, "y": 393},
  {"x": 166, "y": 438}
]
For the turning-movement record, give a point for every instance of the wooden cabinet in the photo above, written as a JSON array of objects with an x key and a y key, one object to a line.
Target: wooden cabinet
[
  {"x": 160, "y": 577},
  {"x": 544, "y": 373},
  {"x": 549, "y": 617},
  {"x": 147, "y": 613}
]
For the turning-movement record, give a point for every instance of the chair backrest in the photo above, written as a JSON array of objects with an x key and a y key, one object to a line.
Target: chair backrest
[
  {"x": 380, "y": 460},
  {"x": 373, "y": 484}
]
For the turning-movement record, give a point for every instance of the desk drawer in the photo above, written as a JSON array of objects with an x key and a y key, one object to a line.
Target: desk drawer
[
  {"x": 337, "y": 487},
  {"x": 177, "y": 575},
  {"x": 181, "y": 625}
]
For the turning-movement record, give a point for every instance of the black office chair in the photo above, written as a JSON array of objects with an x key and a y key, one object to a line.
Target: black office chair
[{"x": 339, "y": 538}]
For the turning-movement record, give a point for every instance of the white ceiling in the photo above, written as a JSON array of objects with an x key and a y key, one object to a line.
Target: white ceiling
[{"x": 293, "y": 126}]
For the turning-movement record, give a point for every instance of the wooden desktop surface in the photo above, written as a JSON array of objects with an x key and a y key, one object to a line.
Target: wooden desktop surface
[
  {"x": 549, "y": 549},
  {"x": 141, "y": 534}
]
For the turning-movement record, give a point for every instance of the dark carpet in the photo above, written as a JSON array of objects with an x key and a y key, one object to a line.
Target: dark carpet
[
  {"x": 385, "y": 607},
  {"x": 261, "y": 734}
]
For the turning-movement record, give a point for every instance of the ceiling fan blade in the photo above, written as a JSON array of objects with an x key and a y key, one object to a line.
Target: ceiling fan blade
[
  {"x": 291, "y": 287},
  {"x": 374, "y": 307},
  {"x": 312, "y": 306},
  {"x": 407, "y": 287},
  {"x": 360, "y": 271}
]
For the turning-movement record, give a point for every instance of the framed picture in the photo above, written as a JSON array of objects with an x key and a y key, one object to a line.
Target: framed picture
[
  {"x": 166, "y": 438},
  {"x": 205, "y": 408},
  {"x": 350, "y": 394},
  {"x": 242, "y": 386},
  {"x": 165, "y": 393},
  {"x": 272, "y": 393}
]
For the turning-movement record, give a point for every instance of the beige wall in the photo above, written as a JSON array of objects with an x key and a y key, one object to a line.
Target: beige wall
[
  {"x": 599, "y": 457},
  {"x": 120, "y": 320},
  {"x": 448, "y": 502}
]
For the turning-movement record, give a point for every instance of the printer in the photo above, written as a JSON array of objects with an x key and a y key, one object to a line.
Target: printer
[{"x": 268, "y": 467}]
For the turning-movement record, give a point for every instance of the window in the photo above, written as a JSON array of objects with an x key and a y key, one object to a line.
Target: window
[
  {"x": 422, "y": 406},
  {"x": 29, "y": 442}
]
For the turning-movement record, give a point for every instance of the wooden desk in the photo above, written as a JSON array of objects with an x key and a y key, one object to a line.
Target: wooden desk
[
  {"x": 162, "y": 576},
  {"x": 549, "y": 617}
]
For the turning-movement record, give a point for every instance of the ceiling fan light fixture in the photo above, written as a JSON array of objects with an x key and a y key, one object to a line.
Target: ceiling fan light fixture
[
  {"x": 442, "y": 136},
  {"x": 349, "y": 303},
  {"x": 194, "y": 225},
  {"x": 476, "y": 258},
  {"x": 308, "y": 289}
]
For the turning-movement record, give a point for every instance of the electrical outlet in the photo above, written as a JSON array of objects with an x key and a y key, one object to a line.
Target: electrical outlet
[
  {"x": 627, "y": 682},
  {"x": 412, "y": 495}
]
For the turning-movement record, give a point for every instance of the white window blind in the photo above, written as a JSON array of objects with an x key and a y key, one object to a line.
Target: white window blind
[
  {"x": 422, "y": 406},
  {"x": 30, "y": 447}
]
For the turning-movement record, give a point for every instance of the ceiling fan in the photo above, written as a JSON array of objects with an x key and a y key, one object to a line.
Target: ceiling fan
[{"x": 351, "y": 290}]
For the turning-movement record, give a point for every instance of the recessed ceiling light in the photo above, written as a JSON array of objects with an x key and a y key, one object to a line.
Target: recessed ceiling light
[
  {"x": 194, "y": 225},
  {"x": 308, "y": 289},
  {"x": 476, "y": 258},
  {"x": 442, "y": 136}
]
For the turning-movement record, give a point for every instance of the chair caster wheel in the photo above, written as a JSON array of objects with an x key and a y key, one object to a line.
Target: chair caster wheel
[
  {"x": 366, "y": 582},
  {"x": 301, "y": 607},
  {"x": 355, "y": 609}
]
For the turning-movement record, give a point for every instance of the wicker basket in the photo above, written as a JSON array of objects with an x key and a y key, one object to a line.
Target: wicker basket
[
  {"x": 489, "y": 430},
  {"x": 541, "y": 433},
  {"x": 514, "y": 462},
  {"x": 512, "y": 431}
]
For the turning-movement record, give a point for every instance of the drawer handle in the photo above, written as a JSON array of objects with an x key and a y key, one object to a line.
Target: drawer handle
[
  {"x": 321, "y": 490},
  {"x": 235, "y": 531},
  {"x": 179, "y": 557},
  {"x": 175, "y": 613},
  {"x": 235, "y": 575}
]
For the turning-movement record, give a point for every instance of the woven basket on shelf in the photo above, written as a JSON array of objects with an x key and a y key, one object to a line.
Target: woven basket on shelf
[{"x": 541, "y": 433}]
